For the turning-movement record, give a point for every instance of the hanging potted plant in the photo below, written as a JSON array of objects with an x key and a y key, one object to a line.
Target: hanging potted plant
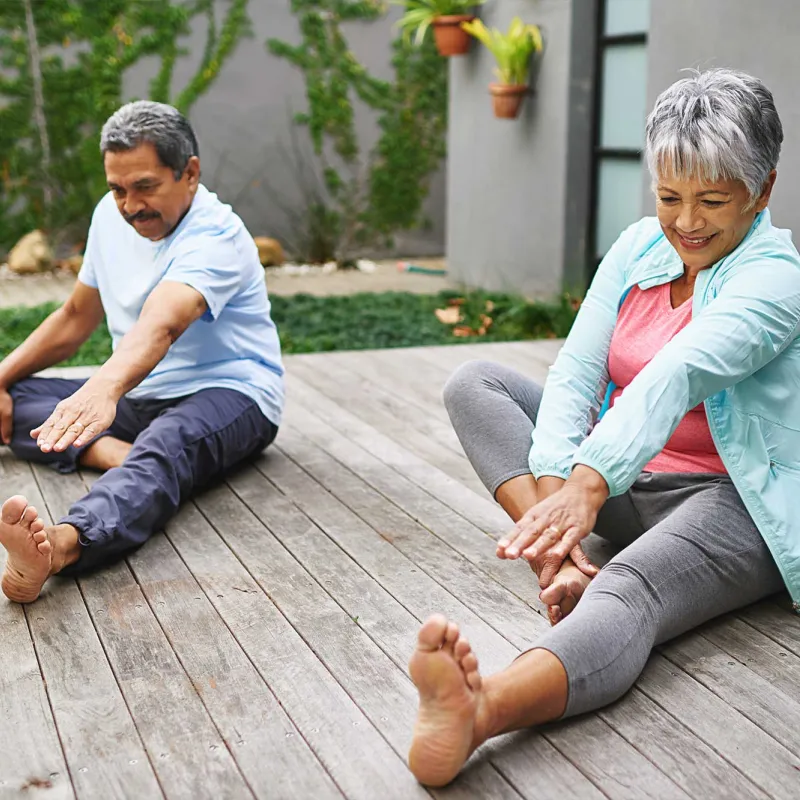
[
  {"x": 512, "y": 52},
  {"x": 445, "y": 16}
]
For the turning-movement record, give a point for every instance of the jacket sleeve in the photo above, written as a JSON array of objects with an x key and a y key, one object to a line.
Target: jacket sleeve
[
  {"x": 577, "y": 382},
  {"x": 753, "y": 318}
]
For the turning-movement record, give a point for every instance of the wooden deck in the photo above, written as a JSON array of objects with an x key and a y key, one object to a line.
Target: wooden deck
[{"x": 259, "y": 647}]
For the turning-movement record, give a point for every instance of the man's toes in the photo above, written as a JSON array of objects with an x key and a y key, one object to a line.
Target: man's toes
[
  {"x": 432, "y": 633},
  {"x": 13, "y": 509},
  {"x": 45, "y": 548},
  {"x": 39, "y": 536},
  {"x": 37, "y": 525},
  {"x": 450, "y": 636},
  {"x": 29, "y": 517},
  {"x": 462, "y": 648}
]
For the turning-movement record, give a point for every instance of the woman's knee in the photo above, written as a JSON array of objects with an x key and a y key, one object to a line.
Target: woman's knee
[{"x": 469, "y": 378}]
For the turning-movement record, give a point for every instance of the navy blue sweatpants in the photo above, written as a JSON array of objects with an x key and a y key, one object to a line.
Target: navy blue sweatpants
[{"x": 179, "y": 446}]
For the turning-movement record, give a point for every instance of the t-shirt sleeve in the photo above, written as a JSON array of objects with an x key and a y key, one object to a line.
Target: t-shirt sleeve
[
  {"x": 211, "y": 267},
  {"x": 91, "y": 256}
]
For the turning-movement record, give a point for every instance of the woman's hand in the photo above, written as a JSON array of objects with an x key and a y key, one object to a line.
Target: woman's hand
[{"x": 555, "y": 526}]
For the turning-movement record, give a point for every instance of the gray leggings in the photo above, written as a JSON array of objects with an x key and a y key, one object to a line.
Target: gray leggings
[{"x": 690, "y": 550}]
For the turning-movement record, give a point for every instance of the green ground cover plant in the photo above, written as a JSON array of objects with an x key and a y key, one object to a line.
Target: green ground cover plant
[{"x": 310, "y": 324}]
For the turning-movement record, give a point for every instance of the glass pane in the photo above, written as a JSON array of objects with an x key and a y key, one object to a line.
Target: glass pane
[
  {"x": 619, "y": 200},
  {"x": 624, "y": 95},
  {"x": 627, "y": 16}
]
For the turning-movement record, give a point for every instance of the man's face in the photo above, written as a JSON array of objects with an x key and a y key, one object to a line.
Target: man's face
[{"x": 147, "y": 194}]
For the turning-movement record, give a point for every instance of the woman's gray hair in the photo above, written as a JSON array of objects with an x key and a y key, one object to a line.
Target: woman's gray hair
[
  {"x": 717, "y": 125},
  {"x": 157, "y": 123}
]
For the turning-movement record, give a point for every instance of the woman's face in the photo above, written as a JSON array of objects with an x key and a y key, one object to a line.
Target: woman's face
[{"x": 705, "y": 221}]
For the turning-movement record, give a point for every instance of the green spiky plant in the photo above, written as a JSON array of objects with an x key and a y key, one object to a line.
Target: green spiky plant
[
  {"x": 420, "y": 14},
  {"x": 512, "y": 50}
]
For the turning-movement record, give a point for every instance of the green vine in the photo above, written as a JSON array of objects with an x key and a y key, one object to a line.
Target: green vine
[
  {"x": 367, "y": 205},
  {"x": 89, "y": 46}
]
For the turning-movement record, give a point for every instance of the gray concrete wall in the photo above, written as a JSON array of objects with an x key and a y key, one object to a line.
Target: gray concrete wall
[
  {"x": 506, "y": 184},
  {"x": 245, "y": 128},
  {"x": 759, "y": 38}
]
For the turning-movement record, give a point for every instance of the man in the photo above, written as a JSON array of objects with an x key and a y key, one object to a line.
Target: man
[{"x": 195, "y": 384}]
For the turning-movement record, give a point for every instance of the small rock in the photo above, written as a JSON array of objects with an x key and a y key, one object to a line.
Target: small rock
[
  {"x": 31, "y": 253},
  {"x": 270, "y": 251},
  {"x": 365, "y": 265},
  {"x": 72, "y": 264}
]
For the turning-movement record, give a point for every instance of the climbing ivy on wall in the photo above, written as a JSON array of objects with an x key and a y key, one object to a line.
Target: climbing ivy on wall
[
  {"x": 62, "y": 65},
  {"x": 369, "y": 196}
]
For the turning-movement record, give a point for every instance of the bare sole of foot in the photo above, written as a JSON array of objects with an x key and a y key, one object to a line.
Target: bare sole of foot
[
  {"x": 563, "y": 594},
  {"x": 30, "y": 553},
  {"x": 445, "y": 672}
]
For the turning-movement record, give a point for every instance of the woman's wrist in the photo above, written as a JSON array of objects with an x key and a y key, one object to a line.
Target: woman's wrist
[{"x": 590, "y": 481}]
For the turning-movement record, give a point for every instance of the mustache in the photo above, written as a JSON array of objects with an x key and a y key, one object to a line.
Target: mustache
[{"x": 140, "y": 216}]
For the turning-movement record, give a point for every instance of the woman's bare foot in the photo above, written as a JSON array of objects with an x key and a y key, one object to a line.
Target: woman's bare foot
[
  {"x": 30, "y": 552},
  {"x": 105, "y": 454},
  {"x": 562, "y": 595},
  {"x": 445, "y": 671}
]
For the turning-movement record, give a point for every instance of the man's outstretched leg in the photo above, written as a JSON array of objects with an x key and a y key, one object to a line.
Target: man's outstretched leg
[{"x": 34, "y": 552}]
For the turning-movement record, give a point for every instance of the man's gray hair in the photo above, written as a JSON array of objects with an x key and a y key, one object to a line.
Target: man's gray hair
[
  {"x": 157, "y": 123},
  {"x": 717, "y": 125}
]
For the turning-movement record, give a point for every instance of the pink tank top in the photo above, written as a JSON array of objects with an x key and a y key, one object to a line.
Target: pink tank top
[{"x": 646, "y": 322}]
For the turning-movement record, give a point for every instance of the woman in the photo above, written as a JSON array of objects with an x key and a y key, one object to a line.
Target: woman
[{"x": 669, "y": 425}]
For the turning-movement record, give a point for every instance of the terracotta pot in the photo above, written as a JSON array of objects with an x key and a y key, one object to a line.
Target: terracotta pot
[
  {"x": 451, "y": 40},
  {"x": 507, "y": 99}
]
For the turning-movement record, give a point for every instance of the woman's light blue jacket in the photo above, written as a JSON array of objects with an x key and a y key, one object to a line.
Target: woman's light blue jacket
[{"x": 740, "y": 354}]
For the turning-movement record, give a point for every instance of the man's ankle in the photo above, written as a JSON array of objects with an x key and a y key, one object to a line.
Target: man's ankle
[{"x": 65, "y": 540}]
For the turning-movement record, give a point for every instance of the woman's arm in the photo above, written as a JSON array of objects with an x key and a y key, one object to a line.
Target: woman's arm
[
  {"x": 577, "y": 382},
  {"x": 755, "y": 316}
]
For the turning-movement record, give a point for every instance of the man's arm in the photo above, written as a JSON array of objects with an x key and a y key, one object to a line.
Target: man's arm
[
  {"x": 55, "y": 340},
  {"x": 169, "y": 310}
]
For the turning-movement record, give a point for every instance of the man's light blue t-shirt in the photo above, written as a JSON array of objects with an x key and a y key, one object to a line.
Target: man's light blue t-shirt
[{"x": 235, "y": 344}]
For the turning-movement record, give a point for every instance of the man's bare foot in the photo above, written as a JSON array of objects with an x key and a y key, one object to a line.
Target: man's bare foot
[
  {"x": 562, "y": 595},
  {"x": 445, "y": 671},
  {"x": 30, "y": 552},
  {"x": 105, "y": 454}
]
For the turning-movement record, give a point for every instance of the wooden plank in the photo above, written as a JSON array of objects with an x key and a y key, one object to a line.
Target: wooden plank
[
  {"x": 32, "y": 762},
  {"x": 511, "y": 617},
  {"x": 412, "y": 437},
  {"x": 773, "y": 662},
  {"x": 741, "y": 688},
  {"x": 478, "y": 509},
  {"x": 105, "y": 755},
  {"x": 694, "y": 766},
  {"x": 468, "y": 540},
  {"x": 254, "y": 727},
  {"x": 388, "y": 592},
  {"x": 615, "y": 766},
  {"x": 781, "y": 625},
  {"x": 186, "y": 750},
  {"x": 756, "y": 754},
  {"x": 384, "y": 695},
  {"x": 395, "y": 398},
  {"x": 353, "y": 751}
]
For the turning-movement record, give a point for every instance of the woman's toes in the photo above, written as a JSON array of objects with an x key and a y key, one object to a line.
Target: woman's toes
[{"x": 432, "y": 634}]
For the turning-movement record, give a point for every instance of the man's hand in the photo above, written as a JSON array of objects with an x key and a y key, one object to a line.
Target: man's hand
[
  {"x": 554, "y": 527},
  {"x": 6, "y": 416},
  {"x": 78, "y": 419}
]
